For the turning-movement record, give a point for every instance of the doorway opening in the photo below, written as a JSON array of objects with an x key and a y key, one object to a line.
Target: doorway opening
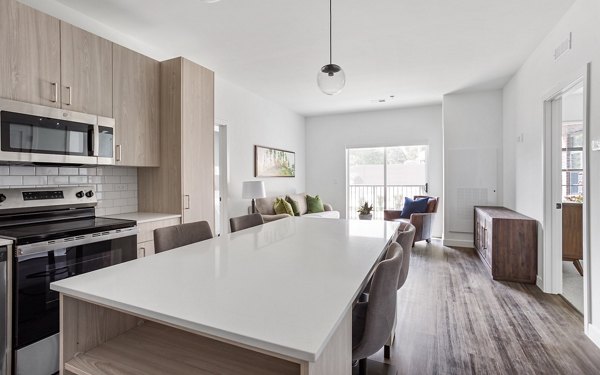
[
  {"x": 566, "y": 195},
  {"x": 384, "y": 176},
  {"x": 221, "y": 179}
]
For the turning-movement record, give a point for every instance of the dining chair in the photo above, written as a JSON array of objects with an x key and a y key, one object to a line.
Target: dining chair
[
  {"x": 244, "y": 222},
  {"x": 168, "y": 238},
  {"x": 372, "y": 320}
]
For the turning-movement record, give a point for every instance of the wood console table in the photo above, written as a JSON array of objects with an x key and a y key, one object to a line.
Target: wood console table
[{"x": 506, "y": 242}]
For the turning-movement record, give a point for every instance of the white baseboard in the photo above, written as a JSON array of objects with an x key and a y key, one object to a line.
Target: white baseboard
[
  {"x": 593, "y": 333},
  {"x": 458, "y": 243},
  {"x": 539, "y": 282}
]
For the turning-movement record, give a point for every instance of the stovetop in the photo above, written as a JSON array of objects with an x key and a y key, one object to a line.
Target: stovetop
[
  {"x": 31, "y": 215},
  {"x": 31, "y": 233}
]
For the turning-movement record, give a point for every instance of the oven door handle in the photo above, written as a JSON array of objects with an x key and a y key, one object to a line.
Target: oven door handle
[{"x": 43, "y": 247}]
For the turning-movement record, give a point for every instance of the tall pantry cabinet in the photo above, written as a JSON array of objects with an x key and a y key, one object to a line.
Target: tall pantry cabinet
[{"x": 184, "y": 182}]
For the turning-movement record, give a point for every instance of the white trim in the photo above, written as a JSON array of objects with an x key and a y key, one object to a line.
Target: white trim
[
  {"x": 539, "y": 282},
  {"x": 593, "y": 333},
  {"x": 458, "y": 243}
]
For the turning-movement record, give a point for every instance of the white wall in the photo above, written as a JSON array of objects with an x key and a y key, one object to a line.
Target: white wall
[
  {"x": 327, "y": 138},
  {"x": 539, "y": 76},
  {"x": 472, "y": 125},
  {"x": 252, "y": 120}
]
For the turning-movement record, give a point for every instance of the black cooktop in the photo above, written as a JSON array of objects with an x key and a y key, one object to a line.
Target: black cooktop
[{"x": 30, "y": 233}]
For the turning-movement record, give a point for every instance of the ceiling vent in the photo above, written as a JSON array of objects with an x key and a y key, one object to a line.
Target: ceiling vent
[{"x": 563, "y": 47}]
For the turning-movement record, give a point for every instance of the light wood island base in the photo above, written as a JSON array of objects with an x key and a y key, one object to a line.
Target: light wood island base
[{"x": 97, "y": 340}]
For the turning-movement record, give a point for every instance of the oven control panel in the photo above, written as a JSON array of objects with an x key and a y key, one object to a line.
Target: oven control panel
[
  {"x": 16, "y": 200},
  {"x": 44, "y": 194}
]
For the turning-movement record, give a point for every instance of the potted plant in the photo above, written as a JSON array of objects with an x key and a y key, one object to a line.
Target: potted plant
[{"x": 364, "y": 212}]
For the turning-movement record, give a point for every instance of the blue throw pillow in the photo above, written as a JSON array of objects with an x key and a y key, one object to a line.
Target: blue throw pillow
[{"x": 417, "y": 206}]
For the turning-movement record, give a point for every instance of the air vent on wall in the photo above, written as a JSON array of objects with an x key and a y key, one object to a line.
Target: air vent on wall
[{"x": 563, "y": 47}]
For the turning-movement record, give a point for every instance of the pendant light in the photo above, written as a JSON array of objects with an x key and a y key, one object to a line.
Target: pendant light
[{"x": 331, "y": 78}]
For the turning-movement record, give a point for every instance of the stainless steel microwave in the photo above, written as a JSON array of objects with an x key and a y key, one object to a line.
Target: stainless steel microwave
[{"x": 31, "y": 134}]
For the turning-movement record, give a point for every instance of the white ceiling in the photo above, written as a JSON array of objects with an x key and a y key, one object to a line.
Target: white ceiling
[{"x": 416, "y": 50}]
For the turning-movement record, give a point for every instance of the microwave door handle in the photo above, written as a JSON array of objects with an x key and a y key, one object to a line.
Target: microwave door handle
[{"x": 96, "y": 146}]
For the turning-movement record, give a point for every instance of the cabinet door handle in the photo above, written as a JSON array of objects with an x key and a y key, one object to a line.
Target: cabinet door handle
[
  {"x": 484, "y": 238},
  {"x": 187, "y": 202},
  {"x": 55, "y": 85},
  {"x": 118, "y": 153},
  {"x": 70, "y": 95}
]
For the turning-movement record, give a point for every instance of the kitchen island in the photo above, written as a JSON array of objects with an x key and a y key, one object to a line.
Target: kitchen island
[{"x": 273, "y": 299}]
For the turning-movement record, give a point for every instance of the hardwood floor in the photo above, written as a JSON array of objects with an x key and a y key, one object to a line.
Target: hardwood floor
[{"x": 454, "y": 319}]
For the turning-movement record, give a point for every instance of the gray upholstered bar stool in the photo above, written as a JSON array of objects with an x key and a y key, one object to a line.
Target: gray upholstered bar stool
[
  {"x": 246, "y": 221},
  {"x": 373, "y": 320},
  {"x": 406, "y": 236},
  {"x": 180, "y": 235}
]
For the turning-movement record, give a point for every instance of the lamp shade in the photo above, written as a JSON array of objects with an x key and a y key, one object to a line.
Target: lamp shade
[{"x": 253, "y": 189}]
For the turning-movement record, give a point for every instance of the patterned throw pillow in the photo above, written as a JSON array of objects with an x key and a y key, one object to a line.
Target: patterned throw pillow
[
  {"x": 314, "y": 204},
  {"x": 282, "y": 207}
]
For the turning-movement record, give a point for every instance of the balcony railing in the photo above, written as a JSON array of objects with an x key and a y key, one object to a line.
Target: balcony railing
[{"x": 380, "y": 197}]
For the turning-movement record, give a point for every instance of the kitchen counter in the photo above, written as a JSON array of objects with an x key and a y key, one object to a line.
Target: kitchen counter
[
  {"x": 144, "y": 217},
  {"x": 285, "y": 288}
]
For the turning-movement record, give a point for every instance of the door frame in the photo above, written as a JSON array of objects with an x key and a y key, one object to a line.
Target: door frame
[
  {"x": 223, "y": 175},
  {"x": 552, "y": 255}
]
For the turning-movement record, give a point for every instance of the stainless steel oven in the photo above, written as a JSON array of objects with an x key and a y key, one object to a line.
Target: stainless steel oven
[
  {"x": 32, "y": 133},
  {"x": 5, "y": 314},
  {"x": 54, "y": 234},
  {"x": 36, "y": 307}
]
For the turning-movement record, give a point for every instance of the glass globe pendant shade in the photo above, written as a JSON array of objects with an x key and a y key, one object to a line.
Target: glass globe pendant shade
[{"x": 331, "y": 79}]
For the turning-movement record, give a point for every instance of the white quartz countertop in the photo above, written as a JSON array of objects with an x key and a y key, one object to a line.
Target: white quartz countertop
[
  {"x": 282, "y": 286},
  {"x": 143, "y": 217}
]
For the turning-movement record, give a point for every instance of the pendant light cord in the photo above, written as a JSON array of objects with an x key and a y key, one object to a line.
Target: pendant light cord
[{"x": 330, "y": 43}]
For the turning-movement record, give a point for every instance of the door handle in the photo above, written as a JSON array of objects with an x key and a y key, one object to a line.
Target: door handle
[
  {"x": 187, "y": 202},
  {"x": 55, "y": 85}
]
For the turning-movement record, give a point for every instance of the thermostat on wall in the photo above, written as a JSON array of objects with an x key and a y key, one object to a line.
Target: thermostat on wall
[{"x": 595, "y": 144}]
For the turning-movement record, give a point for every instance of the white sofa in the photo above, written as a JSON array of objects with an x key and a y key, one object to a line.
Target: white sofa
[{"x": 264, "y": 206}]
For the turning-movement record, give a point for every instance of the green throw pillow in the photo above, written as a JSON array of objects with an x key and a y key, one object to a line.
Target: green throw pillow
[
  {"x": 314, "y": 204},
  {"x": 283, "y": 207},
  {"x": 294, "y": 204}
]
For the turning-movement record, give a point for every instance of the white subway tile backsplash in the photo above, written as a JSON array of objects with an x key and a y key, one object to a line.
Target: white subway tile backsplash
[
  {"x": 35, "y": 180},
  {"x": 68, "y": 171},
  {"x": 11, "y": 181},
  {"x": 116, "y": 187},
  {"x": 46, "y": 171},
  {"x": 18, "y": 170},
  {"x": 87, "y": 171},
  {"x": 58, "y": 180}
]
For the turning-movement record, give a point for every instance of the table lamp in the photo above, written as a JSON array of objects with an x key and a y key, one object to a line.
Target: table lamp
[{"x": 253, "y": 190}]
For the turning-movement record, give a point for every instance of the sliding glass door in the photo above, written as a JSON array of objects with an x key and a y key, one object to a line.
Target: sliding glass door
[{"x": 383, "y": 176}]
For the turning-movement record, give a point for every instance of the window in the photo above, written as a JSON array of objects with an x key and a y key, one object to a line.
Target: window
[
  {"x": 383, "y": 176},
  {"x": 572, "y": 161}
]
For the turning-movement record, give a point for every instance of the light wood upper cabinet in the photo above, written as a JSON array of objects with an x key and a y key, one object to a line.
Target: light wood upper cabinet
[
  {"x": 29, "y": 55},
  {"x": 86, "y": 71},
  {"x": 136, "y": 94}
]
